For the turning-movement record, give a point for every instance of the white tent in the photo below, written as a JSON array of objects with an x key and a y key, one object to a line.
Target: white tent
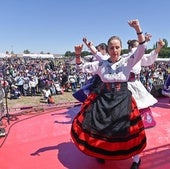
[
  {"x": 4, "y": 55},
  {"x": 37, "y": 55},
  {"x": 163, "y": 59}
]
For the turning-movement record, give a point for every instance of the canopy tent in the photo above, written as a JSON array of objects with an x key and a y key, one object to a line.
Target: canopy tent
[
  {"x": 163, "y": 59},
  {"x": 4, "y": 55},
  {"x": 36, "y": 56}
]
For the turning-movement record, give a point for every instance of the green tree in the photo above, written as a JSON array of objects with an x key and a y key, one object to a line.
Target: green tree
[
  {"x": 85, "y": 53},
  {"x": 124, "y": 51},
  {"x": 166, "y": 43},
  {"x": 68, "y": 54},
  {"x": 26, "y": 51}
]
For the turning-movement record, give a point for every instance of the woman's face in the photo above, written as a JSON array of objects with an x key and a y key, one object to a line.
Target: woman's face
[{"x": 114, "y": 49}]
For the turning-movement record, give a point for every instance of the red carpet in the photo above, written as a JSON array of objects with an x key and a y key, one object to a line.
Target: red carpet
[{"x": 41, "y": 140}]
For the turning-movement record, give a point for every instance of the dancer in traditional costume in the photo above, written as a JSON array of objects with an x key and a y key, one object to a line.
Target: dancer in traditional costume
[
  {"x": 143, "y": 98},
  {"x": 138, "y": 90},
  {"x": 109, "y": 125}
]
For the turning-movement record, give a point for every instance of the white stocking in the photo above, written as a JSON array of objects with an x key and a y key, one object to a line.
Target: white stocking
[{"x": 136, "y": 158}]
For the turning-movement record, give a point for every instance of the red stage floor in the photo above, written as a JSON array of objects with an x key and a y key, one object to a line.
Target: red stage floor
[{"x": 41, "y": 140}]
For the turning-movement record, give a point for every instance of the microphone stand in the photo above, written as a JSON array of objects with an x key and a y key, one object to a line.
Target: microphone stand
[
  {"x": 6, "y": 106},
  {"x": 6, "y": 92}
]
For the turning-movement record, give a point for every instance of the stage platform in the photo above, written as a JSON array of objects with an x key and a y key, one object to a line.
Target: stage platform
[{"x": 39, "y": 138}]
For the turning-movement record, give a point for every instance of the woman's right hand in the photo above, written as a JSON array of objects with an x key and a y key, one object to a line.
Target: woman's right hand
[
  {"x": 136, "y": 25},
  {"x": 78, "y": 49}
]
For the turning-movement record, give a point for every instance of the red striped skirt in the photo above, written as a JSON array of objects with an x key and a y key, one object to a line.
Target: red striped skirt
[{"x": 109, "y": 125}]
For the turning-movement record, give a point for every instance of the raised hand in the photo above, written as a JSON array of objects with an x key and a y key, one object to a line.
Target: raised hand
[
  {"x": 148, "y": 37},
  {"x": 87, "y": 43},
  {"x": 78, "y": 49},
  {"x": 160, "y": 43},
  {"x": 134, "y": 23}
]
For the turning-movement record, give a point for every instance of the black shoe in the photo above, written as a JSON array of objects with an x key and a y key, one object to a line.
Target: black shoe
[
  {"x": 135, "y": 165},
  {"x": 100, "y": 160}
]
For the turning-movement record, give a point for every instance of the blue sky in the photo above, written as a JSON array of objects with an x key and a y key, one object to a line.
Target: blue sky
[{"x": 55, "y": 26}]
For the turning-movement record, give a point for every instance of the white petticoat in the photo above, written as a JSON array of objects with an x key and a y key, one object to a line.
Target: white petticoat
[{"x": 143, "y": 98}]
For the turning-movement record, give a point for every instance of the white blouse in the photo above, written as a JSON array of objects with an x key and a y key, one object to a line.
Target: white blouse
[
  {"x": 114, "y": 72},
  {"x": 147, "y": 60}
]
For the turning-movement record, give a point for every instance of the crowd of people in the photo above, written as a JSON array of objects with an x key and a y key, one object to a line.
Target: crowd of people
[
  {"x": 36, "y": 76},
  {"x": 31, "y": 77}
]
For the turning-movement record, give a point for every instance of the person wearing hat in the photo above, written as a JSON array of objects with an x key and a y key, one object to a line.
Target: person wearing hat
[{"x": 14, "y": 92}]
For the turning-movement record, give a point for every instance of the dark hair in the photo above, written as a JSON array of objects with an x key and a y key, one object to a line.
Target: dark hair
[
  {"x": 114, "y": 37},
  {"x": 132, "y": 43},
  {"x": 103, "y": 46}
]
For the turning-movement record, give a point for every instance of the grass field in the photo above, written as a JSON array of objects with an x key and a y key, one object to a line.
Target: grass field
[{"x": 25, "y": 101}]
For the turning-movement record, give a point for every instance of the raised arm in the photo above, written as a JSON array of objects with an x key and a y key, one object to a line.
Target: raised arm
[
  {"x": 136, "y": 25},
  {"x": 137, "y": 55},
  {"x": 98, "y": 54},
  {"x": 149, "y": 59},
  {"x": 78, "y": 49},
  {"x": 90, "y": 45},
  {"x": 90, "y": 67},
  {"x": 160, "y": 44}
]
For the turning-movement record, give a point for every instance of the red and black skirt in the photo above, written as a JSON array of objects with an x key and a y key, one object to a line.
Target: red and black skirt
[{"x": 109, "y": 125}]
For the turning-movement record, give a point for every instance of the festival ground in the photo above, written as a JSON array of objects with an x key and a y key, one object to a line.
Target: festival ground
[{"x": 39, "y": 138}]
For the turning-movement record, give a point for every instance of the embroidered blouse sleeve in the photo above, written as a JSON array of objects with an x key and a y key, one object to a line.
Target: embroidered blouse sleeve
[
  {"x": 137, "y": 55},
  {"x": 90, "y": 67},
  {"x": 98, "y": 56},
  {"x": 149, "y": 59}
]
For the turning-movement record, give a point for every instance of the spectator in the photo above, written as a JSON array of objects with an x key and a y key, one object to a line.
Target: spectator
[{"x": 14, "y": 92}]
